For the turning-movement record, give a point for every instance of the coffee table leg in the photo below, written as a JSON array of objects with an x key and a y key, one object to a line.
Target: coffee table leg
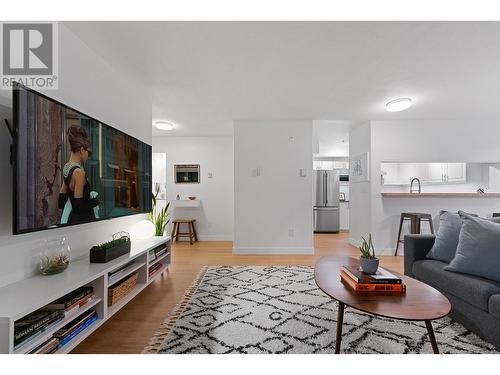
[
  {"x": 340, "y": 320},
  {"x": 432, "y": 338}
]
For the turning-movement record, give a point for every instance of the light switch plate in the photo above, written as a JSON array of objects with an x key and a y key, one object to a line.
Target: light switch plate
[
  {"x": 210, "y": 175},
  {"x": 303, "y": 172}
]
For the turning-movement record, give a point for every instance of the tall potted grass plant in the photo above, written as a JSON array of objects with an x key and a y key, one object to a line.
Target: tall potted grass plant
[{"x": 159, "y": 217}]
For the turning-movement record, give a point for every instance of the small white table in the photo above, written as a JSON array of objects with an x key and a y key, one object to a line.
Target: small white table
[{"x": 185, "y": 203}]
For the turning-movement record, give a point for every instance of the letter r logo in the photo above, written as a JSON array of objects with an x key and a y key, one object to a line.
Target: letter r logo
[{"x": 27, "y": 49}]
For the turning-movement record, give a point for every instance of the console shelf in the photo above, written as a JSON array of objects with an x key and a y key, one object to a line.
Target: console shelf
[
  {"x": 153, "y": 262},
  {"x": 33, "y": 293}
]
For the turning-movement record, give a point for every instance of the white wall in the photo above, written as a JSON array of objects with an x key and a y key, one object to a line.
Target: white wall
[
  {"x": 331, "y": 138},
  {"x": 424, "y": 141},
  {"x": 273, "y": 211},
  {"x": 214, "y": 219},
  {"x": 87, "y": 83},
  {"x": 359, "y": 192}
]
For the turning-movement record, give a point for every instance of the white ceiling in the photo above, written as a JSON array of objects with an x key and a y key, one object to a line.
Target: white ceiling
[{"x": 203, "y": 75}]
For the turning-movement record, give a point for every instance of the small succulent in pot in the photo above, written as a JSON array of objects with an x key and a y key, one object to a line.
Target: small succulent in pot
[{"x": 368, "y": 260}]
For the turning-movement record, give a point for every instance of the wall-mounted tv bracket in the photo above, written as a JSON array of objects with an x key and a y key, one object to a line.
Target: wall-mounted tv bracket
[{"x": 11, "y": 160}]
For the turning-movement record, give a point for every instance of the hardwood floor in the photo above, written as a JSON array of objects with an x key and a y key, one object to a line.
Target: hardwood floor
[{"x": 129, "y": 330}]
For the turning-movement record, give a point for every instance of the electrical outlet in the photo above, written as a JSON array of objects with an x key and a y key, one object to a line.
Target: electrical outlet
[
  {"x": 290, "y": 233},
  {"x": 291, "y": 138},
  {"x": 256, "y": 172}
]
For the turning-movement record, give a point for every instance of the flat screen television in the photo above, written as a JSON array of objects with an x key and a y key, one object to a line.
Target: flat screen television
[{"x": 70, "y": 168}]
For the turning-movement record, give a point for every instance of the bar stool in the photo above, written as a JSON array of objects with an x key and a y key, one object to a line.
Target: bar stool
[
  {"x": 191, "y": 234},
  {"x": 496, "y": 214},
  {"x": 415, "y": 220}
]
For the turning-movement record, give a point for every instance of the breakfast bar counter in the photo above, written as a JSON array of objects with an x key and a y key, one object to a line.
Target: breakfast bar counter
[{"x": 441, "y": 195}]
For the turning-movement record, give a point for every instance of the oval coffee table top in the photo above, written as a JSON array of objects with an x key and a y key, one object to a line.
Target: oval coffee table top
[{"x": 421, "y": 301}]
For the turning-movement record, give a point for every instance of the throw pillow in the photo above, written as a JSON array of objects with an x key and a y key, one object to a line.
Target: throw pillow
[
  {"x": 478, "y": 250},
  {"x": 445, "y": 244}
]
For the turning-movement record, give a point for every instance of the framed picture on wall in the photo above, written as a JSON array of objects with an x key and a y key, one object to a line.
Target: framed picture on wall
[
  {"x": 187, "y": 173},
  {"x": 359, "y": 168},
  {"x": 342, "y": 197}
]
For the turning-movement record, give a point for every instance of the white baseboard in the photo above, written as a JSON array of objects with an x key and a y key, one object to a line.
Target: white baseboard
[
  {"x": 274, "y": 250},
  {"x": 354, "y": 242},
  {"x": 210, "y": 237}
]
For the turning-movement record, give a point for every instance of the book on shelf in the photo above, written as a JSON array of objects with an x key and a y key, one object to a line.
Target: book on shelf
[
  {"x": 381, "y": 277},
  {"x": 396, "y": 289},
  {"x": 119, "y": 270},
  {"x": 69, "y": 299},
  {"x": 154, "y": 268},
  {"x": 78, "y": 329},
  {"x": 25, "y": 328},
  {"x": 160, "y": 252},
  {"x": 152, "y": 255},
  {"x": 73, "y": 325},
  {"x": 77, "y": 305},
  {"x": 47, "y": 347}
]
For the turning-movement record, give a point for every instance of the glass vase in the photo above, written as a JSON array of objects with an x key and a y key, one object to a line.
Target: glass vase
[{"x": 55, "y": 256}]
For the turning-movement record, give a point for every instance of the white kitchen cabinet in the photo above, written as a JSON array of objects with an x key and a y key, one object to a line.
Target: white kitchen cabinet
[
  {"x": 455, "y": 172},
  {"x": 408, "y": 171},
  {"x": 435, "y": 172},
  {"x": 427, "y": 173},
  {"x": 344, "y": 215},
  {"x": 390, "y": 173}
]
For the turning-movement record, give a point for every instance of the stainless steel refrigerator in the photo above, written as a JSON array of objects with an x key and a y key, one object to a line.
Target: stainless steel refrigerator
[{"x": 326, "y": 202}]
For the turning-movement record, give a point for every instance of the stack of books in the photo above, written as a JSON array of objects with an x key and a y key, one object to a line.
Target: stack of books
[
  {"x": 73, "y": 328},
  {"x": 157, "y": 252},
  {"x": 119, "y": 272},
  {"x": 47, "y": 347},
  {"x": 155, "y": 268},
  {"x": 71, "y": 302},
  {"x": 34, "y": 324},
  {"x": 383, "y": 282}
]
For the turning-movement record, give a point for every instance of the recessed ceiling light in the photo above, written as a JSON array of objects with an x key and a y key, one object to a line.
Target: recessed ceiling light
[
  {"x": 164, "y": 125},
  {"x": 397, "y": 105}
]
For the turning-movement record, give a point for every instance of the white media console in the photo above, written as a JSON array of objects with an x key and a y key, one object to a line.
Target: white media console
[{"x": 23, "y": 297}]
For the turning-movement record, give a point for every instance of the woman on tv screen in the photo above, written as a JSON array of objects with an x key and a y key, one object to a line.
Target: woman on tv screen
[
  {"x": 71, "y": 168},
  {"x": 83, "y": 203}
]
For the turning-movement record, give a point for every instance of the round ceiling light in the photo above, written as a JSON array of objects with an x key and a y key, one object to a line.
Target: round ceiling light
[
  {"x": 164, "y": 125},
  {"x": 397, "y": 105}
]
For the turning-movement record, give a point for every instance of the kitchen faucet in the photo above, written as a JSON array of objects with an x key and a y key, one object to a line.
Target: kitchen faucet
[{"x": 411, "y": 185}]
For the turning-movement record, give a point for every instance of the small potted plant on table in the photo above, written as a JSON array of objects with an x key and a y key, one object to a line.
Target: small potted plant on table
[{"x": 368, "y": 260}]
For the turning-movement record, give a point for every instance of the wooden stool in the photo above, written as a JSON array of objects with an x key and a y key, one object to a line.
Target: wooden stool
[
  {"x": 415, "y": 220},
  {"x": 191, "y": 234}
]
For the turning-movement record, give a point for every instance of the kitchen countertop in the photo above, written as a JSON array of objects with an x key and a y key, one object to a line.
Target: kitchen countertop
[{"x": 441, "y": 195}]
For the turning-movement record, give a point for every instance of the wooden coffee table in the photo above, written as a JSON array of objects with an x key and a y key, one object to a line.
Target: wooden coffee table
[{"x": 420, "y": 303}]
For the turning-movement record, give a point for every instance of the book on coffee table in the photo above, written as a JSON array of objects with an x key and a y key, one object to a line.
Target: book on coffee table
[
  {"x": 364, "y": 288},
  {"x": 381, "y": 277}
]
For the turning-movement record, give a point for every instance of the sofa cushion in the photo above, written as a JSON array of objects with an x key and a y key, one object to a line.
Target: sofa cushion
[
  {"x": 447, "y": 237},
  {"x": 475, "y": 290},
  {"x": 494, "y": 306},
  {"x": 478, "y": 250}
]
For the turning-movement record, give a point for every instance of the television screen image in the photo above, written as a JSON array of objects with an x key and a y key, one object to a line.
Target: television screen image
[{"x": 72, "y": 169}]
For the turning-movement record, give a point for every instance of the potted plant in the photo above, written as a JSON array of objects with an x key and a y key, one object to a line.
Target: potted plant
[
  {"x": 105, "y": 252},
  {"x": 159, "y": 218},
  {"x": 368, "y": 260}
]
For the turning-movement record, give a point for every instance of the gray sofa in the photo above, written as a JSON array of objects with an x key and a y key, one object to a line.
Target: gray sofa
[{"x": 475, "y": 301}]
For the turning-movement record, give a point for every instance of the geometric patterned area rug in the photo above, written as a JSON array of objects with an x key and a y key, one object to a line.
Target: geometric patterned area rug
[{"x": 249, "y": 309}]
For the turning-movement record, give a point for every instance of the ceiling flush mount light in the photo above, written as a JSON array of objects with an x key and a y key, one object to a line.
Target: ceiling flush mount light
[
  {"x": 163, "y": 125},
  {"x": 397, "y": 105}
]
